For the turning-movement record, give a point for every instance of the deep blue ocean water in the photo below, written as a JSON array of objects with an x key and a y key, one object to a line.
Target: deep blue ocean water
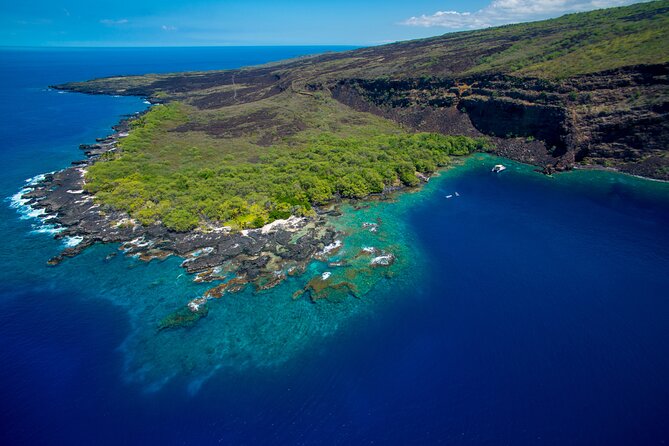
[{"x": 540, "y": 314}]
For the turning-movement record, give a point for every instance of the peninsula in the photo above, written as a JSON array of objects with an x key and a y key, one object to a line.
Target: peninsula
[{"x": 238, "y": 170}]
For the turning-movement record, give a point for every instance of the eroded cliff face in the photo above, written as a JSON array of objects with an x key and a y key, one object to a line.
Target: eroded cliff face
[
  {"x": 617, "y": 118},
  {"x": 583, "y": 89}
]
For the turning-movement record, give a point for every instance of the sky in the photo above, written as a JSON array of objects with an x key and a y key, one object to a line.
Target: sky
[{"x": 261, "y": 22}]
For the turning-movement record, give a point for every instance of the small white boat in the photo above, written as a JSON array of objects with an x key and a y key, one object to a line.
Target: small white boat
[
  {"x": 498, "y": 168},
  {"x": 449, "y": 196}
]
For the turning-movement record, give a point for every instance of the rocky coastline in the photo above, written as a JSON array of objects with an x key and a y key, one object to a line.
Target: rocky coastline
[
  {"x": 261, "y": 258},
  {"x": 611, "y": 115},
  {"x": 231, "y": 261}
]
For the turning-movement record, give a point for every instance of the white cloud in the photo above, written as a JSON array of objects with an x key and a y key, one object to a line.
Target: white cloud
[
  {"x": 110, "y": 22},
  {"x": 501, "y": 12},
  {"x": 168, "y": 28}
]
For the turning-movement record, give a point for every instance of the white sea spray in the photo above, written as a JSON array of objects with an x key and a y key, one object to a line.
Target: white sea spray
[
  {"x": 383, "y": 260},
  {"x": 331, "y": 247},
  {"x": 71, "y": 242},
  {"x": 47, "y": 228},
  {"x": 27, "y": 212}
]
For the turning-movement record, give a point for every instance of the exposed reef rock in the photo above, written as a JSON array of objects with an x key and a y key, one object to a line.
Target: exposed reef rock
[
  {"x": 261, "y": 257},
  {"x": 325, "y": 287},
  {"x": 184, "y": 317}
]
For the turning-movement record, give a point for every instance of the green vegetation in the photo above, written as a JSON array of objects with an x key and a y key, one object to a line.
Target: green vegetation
[
  {"x": 284, "y": 180},
  {"x": 553, "y": 49},
  {"x": 558, "y": 48},
  {"x": 242, "y": 148},
  {"x": 583, "y": 43}
]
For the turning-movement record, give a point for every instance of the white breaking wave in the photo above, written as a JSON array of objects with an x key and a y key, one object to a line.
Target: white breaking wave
[
  {"x": 27, "y": 212},
  {"x": 36, "y": 179},
  {"x": 21, "y": 205},
  {"x": 383, "y": 260},
  {"x": 71, "y": 242},
  {"x": 331, "y": 247},
  {"x": 17, "y": 201},
  {"x": 46, "y": 228}
]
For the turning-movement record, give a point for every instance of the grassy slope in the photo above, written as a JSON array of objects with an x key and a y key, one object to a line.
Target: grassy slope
[
  {"x": 236, "y": 146},
  {"x": 584, "y": 43},
  {"x": 566, "y": 46}
]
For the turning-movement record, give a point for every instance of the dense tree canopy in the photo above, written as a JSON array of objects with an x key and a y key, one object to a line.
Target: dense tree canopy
[{"x": 283, "y": 181}]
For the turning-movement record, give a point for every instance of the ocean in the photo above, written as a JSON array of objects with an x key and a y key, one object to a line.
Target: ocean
[{"x": 525, "y": 309}]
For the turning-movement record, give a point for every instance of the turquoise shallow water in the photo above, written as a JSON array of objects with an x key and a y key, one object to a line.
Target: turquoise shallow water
[
  {"x": 243, "y": 330},
  {"x": 525, "y": 309}
]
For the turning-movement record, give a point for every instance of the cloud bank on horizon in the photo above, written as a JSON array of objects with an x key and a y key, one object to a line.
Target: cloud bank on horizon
[{"x": 502, "y": 12}]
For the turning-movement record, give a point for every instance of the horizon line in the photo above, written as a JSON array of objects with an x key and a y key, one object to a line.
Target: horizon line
[{"x": 186, "y": 46}]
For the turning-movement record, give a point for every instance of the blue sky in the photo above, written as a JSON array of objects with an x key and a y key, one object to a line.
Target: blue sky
[{"x": 260, "y": 22}]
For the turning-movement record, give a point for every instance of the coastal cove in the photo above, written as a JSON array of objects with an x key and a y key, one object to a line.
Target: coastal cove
[{"x": 529, "y": 297}]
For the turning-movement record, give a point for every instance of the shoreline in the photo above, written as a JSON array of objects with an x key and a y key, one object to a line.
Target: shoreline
[
  {"x": 595, "y": 167},
  {"x": 35, "y": 193},
  {"x": 260, "y": 257}
]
